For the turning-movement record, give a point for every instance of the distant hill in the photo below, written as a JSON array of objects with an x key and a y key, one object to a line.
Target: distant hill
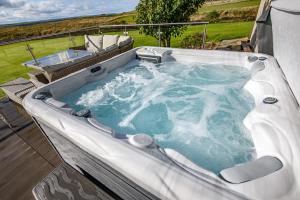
[
  {"x": 57, "y": 20},
  {"x": 30, "y": 29}
]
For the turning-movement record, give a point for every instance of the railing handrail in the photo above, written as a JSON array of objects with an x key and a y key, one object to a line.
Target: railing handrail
[
  {"x": 156, "y": 24},
  {"x": 99, "y": 27}
]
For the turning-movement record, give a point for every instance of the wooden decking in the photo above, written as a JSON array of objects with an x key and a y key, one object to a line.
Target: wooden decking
[
  {"x": 26, "y": 157},
  {"x": 12, "y": 118}
]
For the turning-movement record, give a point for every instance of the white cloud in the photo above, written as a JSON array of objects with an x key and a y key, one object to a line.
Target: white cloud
[
  {"x": 3, "y": 13},
  {"x": 43, "y": 7},
  {"x": 11, "y": 3},
  {"x": 32, "y": 10}
]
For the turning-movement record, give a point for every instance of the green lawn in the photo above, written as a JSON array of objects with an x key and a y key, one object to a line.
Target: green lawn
[
  {"x": 215, "y": 32},
  {"x": 12, "y": 56},
  {"x": 229, "y": 6}
]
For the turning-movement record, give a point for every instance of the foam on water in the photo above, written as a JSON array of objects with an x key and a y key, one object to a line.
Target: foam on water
[{"x": 195, "y": 108}]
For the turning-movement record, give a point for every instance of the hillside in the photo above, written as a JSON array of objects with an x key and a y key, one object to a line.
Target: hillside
[{"x": 17, "y": 32}]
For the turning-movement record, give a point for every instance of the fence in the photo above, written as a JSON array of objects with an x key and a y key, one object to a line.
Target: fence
[{"x": 92, "y": 29}]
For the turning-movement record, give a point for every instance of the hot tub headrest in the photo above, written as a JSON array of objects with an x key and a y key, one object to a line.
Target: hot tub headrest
[
  {"x": 59, "y": 104},
  {"x": 252, "y": 170},
  {"x": 56, "y": 103}
]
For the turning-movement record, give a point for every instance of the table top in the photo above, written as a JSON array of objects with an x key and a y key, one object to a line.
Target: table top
[{"x": 59, "y": 60}]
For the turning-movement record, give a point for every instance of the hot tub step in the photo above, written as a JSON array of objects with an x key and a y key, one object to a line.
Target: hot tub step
[{"x": 66, "y": 183}]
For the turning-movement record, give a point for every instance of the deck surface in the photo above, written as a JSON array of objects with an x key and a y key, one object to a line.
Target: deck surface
[
  {"x": 26, "y": 158},
  {"x": 24, "y": 164},
  {"x": 14, "y": 115}
]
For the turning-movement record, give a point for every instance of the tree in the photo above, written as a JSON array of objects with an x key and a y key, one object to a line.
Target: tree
[{"x": 165, "y": 11}]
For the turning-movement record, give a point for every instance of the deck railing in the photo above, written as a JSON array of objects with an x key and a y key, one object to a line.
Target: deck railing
[
  {"x": 15, "y": 52},
  {"x": 107, "y": 27}
]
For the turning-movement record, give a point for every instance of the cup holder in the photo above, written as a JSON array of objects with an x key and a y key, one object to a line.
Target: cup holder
[{"x": 270, "y": 100}]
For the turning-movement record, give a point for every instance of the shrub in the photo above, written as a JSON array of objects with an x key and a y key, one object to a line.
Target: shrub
[
  {"x": 212, "y": 15},
  {"x": 192, "y": 41}
]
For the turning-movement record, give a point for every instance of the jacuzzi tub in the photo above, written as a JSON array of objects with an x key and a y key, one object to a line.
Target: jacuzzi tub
[{"x": 138, "y": 169}]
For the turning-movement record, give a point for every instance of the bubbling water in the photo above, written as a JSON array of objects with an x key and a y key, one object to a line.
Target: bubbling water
[{"x": 196, "y": 109}]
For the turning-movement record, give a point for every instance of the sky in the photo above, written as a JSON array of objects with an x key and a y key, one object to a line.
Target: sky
[{"x": 12, "y": 11}]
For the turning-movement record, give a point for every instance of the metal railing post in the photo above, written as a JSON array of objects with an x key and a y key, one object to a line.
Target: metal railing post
[
  {"x": 29, "y": 48},
  {"x": 71, "y": 40},
  {"x": 125, "y": 31},
  {"x": 159, "y": 36},
  {"x": 204, "y": 37}
]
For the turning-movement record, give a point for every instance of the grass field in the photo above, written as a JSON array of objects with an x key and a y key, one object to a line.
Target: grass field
[
  {"x": 12, "y": 56},
  {"x": 229, "y": 6}
]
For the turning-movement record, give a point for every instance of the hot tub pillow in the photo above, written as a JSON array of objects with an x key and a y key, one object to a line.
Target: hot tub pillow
[
  {"x": 93, "y": 43},
  {"x": 251, "y": 170},
  {"x": 124, "y": 40}
]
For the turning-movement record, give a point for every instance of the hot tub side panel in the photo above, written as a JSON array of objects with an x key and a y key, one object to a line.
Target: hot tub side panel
[
  {"x": 73, "y": 150},
  {"x": 88, "y": 165}
]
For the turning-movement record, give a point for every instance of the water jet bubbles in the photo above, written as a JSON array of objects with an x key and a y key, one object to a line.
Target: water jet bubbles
[{"x": 196, "y": 109}]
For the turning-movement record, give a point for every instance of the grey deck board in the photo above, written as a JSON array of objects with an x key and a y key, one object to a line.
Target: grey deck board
[
  {"x": 22, "y": 172},
  {"x": 4, "y": 130},
  {"x": 15, "y": 115},
  {"x": 33, "y": 137},
  {"x": 17, "y": 89}
]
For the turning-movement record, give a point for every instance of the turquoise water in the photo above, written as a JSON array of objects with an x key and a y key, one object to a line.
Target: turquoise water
[{"x": 195, "y": 108}]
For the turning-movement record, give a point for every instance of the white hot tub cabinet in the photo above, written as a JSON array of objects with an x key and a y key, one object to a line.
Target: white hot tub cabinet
[{"x": 152, "y": 173}]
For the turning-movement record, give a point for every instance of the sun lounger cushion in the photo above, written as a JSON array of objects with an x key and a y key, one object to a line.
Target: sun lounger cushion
[
  {"x": 109, "y": 40},
  {"x": 93, "y": 43},
  {"x": 252, "y": 170},
  {"x": 124, "y": 40}
]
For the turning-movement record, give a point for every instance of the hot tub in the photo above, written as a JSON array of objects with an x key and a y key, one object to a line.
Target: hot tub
[{"x": 144, "y": 148}]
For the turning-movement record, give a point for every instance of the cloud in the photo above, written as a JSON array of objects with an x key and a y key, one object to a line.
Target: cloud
[
  {"x": 11, "y": 3},
  {"x": 3, "y": 13},
  {"x": 45, "y": 7},
  {"x": 32, "y": 10}
]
